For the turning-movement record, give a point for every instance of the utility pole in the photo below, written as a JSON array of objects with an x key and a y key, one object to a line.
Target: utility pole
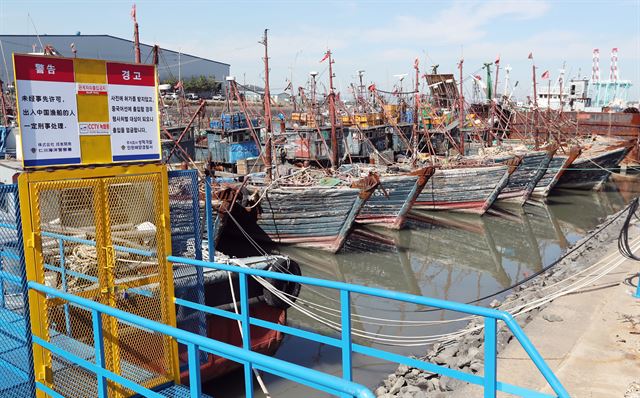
[{"x": 267, "y": 109}]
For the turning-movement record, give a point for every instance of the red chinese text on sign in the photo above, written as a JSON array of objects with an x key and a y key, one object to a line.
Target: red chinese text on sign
[
  {"x": 43, "y": 68},
  {"x": 130, "y": 74}
]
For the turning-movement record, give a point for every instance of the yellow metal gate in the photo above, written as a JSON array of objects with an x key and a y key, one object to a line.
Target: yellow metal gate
[{"x": 101, "y": 234}]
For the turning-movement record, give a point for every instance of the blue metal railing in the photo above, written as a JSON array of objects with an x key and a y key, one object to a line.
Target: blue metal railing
[
  {"x": 489, "y": 381},
  {"x": 194, "y": 342},
  {"x": 290, "y": 371},
  {"x": 491, "y": 316}
]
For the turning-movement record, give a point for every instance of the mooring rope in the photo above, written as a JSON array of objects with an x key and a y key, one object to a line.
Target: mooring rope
[{"x": 623, "y": 237}]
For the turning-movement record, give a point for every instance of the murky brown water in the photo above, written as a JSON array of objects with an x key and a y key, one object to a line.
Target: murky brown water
[{"x": 454, "y": 257}]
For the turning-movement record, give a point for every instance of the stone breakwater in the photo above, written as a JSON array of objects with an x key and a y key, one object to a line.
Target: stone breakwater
[{"x": 466, "y": 353}]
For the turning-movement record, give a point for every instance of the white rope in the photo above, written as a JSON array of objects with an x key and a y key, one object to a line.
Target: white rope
[{"x": 263, "y": 386}]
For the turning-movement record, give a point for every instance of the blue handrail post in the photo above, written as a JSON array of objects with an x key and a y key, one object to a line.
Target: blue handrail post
[
  {"x": 246, "y": 332},
  {"x": 490, "y": 357},
  {"x": 195, "y": 388},
  {"x": 63, "y": 272},
  {"x": 99, "y": 347},
  {"x": 345, "y": 319},
  {"x": 209, "y": 218}
]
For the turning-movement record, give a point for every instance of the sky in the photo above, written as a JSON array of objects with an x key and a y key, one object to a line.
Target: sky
[{"x": 383, "y": 38}]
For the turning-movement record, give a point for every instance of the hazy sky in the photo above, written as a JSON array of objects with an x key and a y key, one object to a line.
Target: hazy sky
[{"x": 381, "y": 37}]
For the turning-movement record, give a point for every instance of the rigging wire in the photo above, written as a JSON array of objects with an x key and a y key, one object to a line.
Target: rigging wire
[{"x": 596, "y": 271}]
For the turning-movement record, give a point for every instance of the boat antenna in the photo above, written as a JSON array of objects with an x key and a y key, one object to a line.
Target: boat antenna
[{"x": 267, "y": 109}]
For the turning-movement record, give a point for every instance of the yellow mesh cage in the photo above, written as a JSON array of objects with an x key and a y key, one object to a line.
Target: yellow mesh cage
[{"x": 103, "y": 239}]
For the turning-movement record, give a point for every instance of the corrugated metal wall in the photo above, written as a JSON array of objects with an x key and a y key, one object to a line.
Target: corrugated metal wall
[{"x": 115, "y": 49}]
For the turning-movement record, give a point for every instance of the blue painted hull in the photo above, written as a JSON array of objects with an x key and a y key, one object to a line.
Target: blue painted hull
[
  {"x": 393, "y": 200},
  {"x": 317, "y": 217},
  {"x": 467, "y": 190}
]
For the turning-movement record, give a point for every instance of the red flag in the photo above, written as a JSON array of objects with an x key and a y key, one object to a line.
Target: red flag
[
  {"x": 530, "y": 56},
  {"x": 545, "y": 75},
  {"x": 498, "y": 60},
  {"x": 478, "y": 77},
  {"x": 372, "y": 88},
  {"x": 133, "y": 12},
  {"x": 416, "y": 63},
  {"x": 325, "y": 57}
]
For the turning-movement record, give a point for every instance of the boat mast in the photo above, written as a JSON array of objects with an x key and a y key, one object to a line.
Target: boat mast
[
  {"x": 494, "y": 104},
  {"x": 5, "y": 108},
  {"x": 156, "y": 54},
  {"x": 332, "y": 114},
  {"x": 416, "y": 101},
  {"x": 267, "y": 109},
  {"x": 535, "y": 106},
  {"x": 293, "y": 97},
  {"x": 136, "y": 36},
  {"x": 561, "y": 83},
  {"x": 313, "y": 75},
  {"x": 461, "y": 111}
]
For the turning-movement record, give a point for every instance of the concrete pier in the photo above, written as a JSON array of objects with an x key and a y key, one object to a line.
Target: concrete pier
[{"x": 590, "y": 339}]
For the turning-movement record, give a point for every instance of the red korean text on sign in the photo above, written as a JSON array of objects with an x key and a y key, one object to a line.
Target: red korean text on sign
[
  {"x": 43, "y": 68},
  {"x": 130, "y": 74}
]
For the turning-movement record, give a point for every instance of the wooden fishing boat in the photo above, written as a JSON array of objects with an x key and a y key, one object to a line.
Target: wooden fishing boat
[
  {"x": 622, "y": 125},
  {"x": 523, "y": 180},
  {"x": 591, "y": 169},
  {"x": 469, "y": 189},
  {"x": 364, "y": 141},
  {"x": 316, "y": 216},
  {"x": 556, "y": 167},
  {"x": 308, "y": 143},
  {"x": 394, "y": 199},
  {"x": 211, "y": 287},
  {"x": 214, "y": 291}
]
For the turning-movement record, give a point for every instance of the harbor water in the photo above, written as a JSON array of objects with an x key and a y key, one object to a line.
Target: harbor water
[{"x": 443, "y": 255}]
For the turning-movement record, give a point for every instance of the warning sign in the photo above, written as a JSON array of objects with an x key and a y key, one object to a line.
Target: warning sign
[{"x": 81, "y": 111}]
